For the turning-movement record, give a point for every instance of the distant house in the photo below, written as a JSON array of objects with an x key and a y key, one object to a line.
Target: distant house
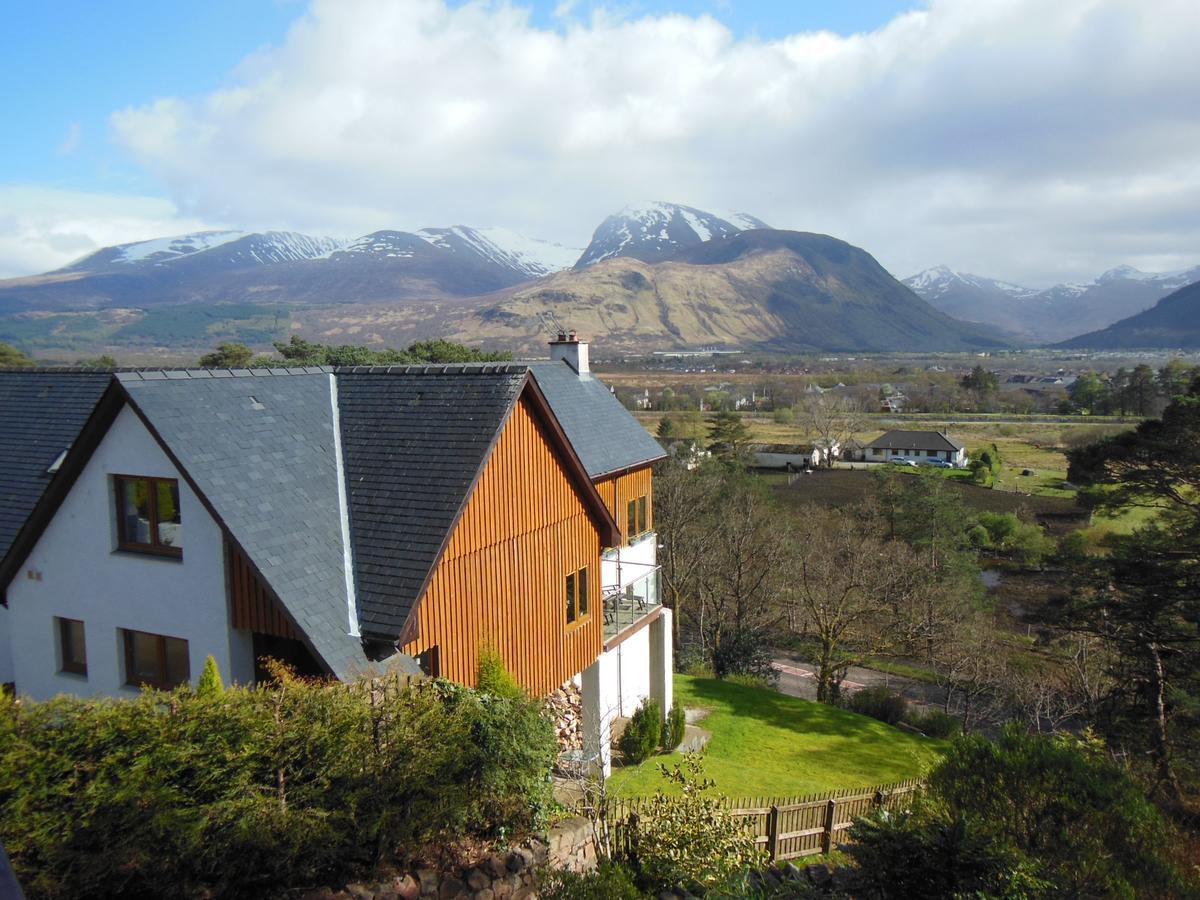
[
  {"x": 917, "y": 446},
  {"x": 345, "y": 521},
  {"x": 793, "y": 456}
]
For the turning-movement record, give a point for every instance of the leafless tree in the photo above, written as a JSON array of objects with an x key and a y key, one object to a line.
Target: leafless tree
[{"x": 830, "y": 420}]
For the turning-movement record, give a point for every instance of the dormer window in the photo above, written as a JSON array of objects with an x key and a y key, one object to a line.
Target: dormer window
[{"x": 148, "y": 519}]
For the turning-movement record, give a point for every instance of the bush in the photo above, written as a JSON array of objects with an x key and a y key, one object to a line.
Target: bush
[
  {"x": 690, "y": 840},
  {"x": 493, "y": 677},
  {"x": 210, "y": 684},
  {"x": 171, "y": 794},
  {"x": 643, "y": 734},
  {"x": 674, "y": 727},
  {"x": 978, "y": 537},
  {"x": 610, "y": 881},
  {"x": 879, "y": 703},
  {"x": 742, "y": 652},
  {"x": 936, "y": 724},
  {"x": 1063, "y": 804},
  {"x": 923, "y": 853}
]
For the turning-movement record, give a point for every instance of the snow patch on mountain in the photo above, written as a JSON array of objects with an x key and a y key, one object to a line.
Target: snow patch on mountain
[
  {"x": 654, "y": 230},
  {"x": 168, "y": 248},
  {"x": 533, "y": 257}
]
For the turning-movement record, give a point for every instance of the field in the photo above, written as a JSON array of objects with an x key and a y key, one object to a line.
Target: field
[{"x": 765, "y": 742}]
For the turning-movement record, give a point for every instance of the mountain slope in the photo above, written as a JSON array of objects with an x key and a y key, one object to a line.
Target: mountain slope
[
  {"x": 1051, "y": 314},
  {"x": 778, "y": 290},
  {"x": 1172, "y": 322},
  {"x": 657, "y": 231}
]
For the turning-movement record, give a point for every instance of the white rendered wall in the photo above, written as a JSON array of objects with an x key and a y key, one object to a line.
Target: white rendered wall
[
  {"x": 622, "y": 566},
  {"x": 75, "y": 572},
  {"x": 6, "y": 666}
]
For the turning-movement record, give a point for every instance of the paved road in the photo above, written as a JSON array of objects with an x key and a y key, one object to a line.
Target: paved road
[{"x": 797, "y": 678}]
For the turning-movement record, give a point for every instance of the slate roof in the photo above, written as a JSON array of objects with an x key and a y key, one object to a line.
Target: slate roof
[
  {"x": 259, "y": 446},
  {"x": 915, "y": 440},
  {"x": 413, "y": 440},
  {"x": 41, "y": 414},
  {"x": 603, "y": 433}
]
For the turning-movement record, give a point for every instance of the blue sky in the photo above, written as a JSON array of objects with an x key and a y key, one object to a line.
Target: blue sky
[
  {"x": 77, "y": 62},
  {"x": 1020, "y": 139}
]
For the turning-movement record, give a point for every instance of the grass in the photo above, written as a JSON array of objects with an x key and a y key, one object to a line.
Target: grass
[{"x": 767, "y": 743}]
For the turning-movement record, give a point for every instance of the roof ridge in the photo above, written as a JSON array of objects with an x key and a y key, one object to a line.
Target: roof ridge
[
  {"x": 124, "y": 375},
  {"x": 464, "y": 368}
]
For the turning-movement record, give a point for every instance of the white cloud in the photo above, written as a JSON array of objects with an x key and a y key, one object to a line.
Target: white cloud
[
  {"x": 45, "y": 228},
  {"x": 1016, "y": 138}
]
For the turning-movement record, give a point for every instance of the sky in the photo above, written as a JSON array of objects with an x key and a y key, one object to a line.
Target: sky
[{"x": 1030, "y": 141}]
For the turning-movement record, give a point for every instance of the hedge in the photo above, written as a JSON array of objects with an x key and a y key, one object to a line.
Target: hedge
[{"x": 171, "y": 794}]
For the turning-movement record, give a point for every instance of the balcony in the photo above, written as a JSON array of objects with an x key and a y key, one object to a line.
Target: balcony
[{"x": 625, "y": 606}]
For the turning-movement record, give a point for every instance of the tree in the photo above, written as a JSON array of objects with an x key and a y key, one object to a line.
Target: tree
[
  {"x": 11, "y": 356},
  {"x": 666, "y": 428},
  {"x": 728, "y": 437},
  {"x": 1087, "y": 393},
  {"x": 851, "y": 591},
  {"x": 104, "y": 361},
  {"x": 981, "y": 381},
  {"x": 228, "y": 355},
  {"x": 830, "y": 420},
  {"x": 210, "y": 684}
]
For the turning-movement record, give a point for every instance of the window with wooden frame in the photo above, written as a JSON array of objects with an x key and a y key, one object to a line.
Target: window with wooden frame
[
  {"x": 72, "y": 647},
  {"x": 148, "y": 519},
  {"x": 577, "y": 595},
  {"x": 637, "y": 520},
  {"x": 155, "y": 660}
]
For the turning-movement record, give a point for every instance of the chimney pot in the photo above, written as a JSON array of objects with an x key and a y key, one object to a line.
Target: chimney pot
[
  {"x": 562, "y": 336},
  {"x": 572, "y": 336},
  {"x": 571, "y": 350}
]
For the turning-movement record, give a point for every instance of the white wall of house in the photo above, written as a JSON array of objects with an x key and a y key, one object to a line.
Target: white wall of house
[
  {"x": 75, "y": 571},
  {"x": 6, "y": 665},
  {"x": 958, "y": 458},
  {"x": 622, "y": 566}
]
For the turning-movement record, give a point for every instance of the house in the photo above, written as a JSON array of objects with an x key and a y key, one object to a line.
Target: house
[
  {"x": 794, "y": 456},
  {"x": 917, "y": 446},
  {"x": 346, "y": 521}
]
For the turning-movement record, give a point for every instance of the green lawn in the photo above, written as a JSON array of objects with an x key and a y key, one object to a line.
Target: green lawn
[{"x": 767, "y": 743}]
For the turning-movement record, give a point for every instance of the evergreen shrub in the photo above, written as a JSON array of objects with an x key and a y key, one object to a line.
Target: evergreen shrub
[
  {"x": 673, "y": 728},
  {"x": 643, "y": 734},
  {"x": 878, "y": 703}
]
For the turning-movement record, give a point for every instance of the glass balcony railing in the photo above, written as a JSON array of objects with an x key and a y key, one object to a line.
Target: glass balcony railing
[{"x": 624, "y": 606}]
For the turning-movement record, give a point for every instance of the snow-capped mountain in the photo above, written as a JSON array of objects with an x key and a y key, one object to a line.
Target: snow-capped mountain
[
  {"x": 1054, "y": 313},
  {"x": 231, "y": 249},
  {"x": 655, "y": 231},
  {"x": 532, "y": 256}
]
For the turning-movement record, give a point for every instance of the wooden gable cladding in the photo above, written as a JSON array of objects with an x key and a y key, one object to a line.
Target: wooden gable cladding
[
  {"x": 502, "y": 577},
  {"x": 617, "y": 491},
  {"x": 253, "y": 605}
]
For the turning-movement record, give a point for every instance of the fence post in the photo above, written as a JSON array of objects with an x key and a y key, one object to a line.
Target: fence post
[
  {"x": 827, "y": 837},
  {"x": 773, "y": 833}
]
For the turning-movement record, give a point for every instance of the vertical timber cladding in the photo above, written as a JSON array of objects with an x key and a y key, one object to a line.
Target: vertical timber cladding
[
  {"x": 617, "y": 492},
  {"x": 252, "y": 605},
  {"x": 502, "y": 578}
]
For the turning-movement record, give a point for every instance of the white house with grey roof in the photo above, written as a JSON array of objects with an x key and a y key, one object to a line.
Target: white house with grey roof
[
  {"x": 918, "y": 446},
  {"x": 345, "y": 521}
]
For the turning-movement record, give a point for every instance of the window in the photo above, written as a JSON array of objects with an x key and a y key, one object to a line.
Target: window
[
  {"x": 636, "y": 518},
  {"x": 72, "y": 647},
  {"x": 153, "y": 660},
  {"x": 148, "y": 515},
  {"x": 577, "y": 595}
]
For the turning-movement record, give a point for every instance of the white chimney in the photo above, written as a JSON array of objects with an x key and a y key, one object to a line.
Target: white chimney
[{"x": 569, "y": 347}]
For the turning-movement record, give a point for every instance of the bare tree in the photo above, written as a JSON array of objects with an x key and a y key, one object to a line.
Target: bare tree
[{"x": 830, "y": 420}]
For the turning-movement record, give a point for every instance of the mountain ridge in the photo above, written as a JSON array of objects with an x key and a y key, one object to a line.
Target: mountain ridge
[{"x": 1173, "y": 322}]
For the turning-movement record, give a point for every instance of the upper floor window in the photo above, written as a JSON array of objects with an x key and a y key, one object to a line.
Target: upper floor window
[
  {"x": 577, "y": 595},
  {"x": 148, "y": 515},
  {"x": 154, "y": 660},
  {"x": 72, "y": 647},
  {"x": 637, "y": 521}
]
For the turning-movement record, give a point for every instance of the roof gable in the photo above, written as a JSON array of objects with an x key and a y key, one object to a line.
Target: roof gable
[
  {"x": 41, "y": 414},
  {"x": 607, "y": 438},
  {"x": 259, "y": 450}
]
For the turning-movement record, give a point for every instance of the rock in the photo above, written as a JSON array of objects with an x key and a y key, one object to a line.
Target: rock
[
  {"x": 507, "y": 885},
  {"x": 360, "y": 891},
  {"x": 818, "y": 875},
  {"x": 495, "y": 866},
  {"x": 792, "y": 873},
  {"x": 429, "y": 881},
  {"x": 525, "y": 893},
  {"x": 485, "y": 894},
  {"x": 477, "y": 880},
  {"x": 519, "y": 860},
  {"x": 407, "y": 888},
  {"x": 451, "y": 888}
]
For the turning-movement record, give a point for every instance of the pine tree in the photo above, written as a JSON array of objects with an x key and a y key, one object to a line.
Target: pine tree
[{"x": 210, "y": 684}]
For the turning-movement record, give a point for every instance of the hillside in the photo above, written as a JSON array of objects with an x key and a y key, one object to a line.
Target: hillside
[
  {"x": 768, "y": 289},
  {"x": 1172, "y": 322}
]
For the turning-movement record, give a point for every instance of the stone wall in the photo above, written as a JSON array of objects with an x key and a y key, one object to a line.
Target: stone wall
[
  {"x": 511, "y": 875},
  {"x": 565, "y": 708}
]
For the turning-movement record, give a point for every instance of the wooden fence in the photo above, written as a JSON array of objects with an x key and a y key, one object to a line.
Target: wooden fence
[{"x": 788, "y": 827}]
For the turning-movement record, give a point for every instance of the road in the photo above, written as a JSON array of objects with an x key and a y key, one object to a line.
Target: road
[{"x": 798, "y": 679}]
